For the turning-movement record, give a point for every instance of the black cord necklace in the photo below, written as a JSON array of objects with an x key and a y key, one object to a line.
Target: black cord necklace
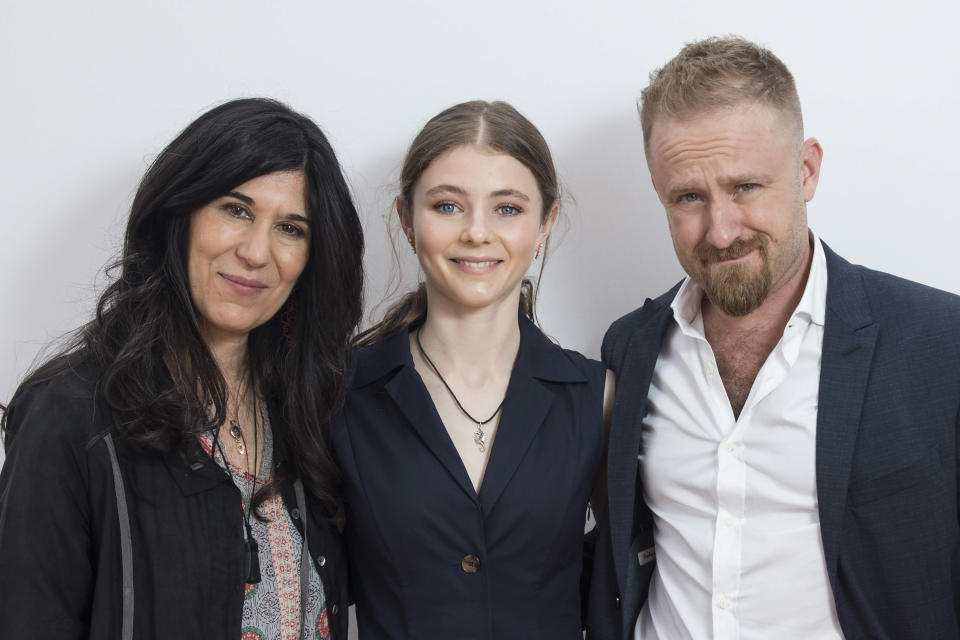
[
  {"x": 479, "y": 437},
  {"x": 251, "y": 550}
]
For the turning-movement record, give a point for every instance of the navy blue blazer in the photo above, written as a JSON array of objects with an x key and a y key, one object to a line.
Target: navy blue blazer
[
  {"x": 886, "y": 459},
  {"x": 413, "y": 516}
]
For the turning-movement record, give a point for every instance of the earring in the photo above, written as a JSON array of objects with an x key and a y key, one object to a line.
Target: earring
[
  {"x": 537, "y": 254},
  {"x": 413, "y": 245},
  {"x": 287, "y": 317}
]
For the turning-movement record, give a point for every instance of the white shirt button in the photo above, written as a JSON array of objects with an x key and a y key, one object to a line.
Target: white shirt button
[
  {"x": 710, "y": 369},
  {"x": 723, "y": 603},
  {"x": 728, "y": 522},
  {"x": 726, "y": 446}
]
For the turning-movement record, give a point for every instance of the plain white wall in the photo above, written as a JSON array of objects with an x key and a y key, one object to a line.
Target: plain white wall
[{"x": 93, "y": 90}]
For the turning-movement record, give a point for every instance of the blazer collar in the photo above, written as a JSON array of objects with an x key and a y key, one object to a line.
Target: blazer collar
[
  {"x": 527, "y": 403},
  {"x": 849, "y": 338},
  {"x": 846, "y": 297},
  {"x": 539, "y": 357}
]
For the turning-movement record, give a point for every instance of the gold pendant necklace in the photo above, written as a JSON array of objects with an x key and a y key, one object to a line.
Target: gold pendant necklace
[{"x": 237, "y": 434}]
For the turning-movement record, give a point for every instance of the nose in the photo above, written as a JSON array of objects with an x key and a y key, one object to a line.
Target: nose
[
  {"x": 254, "y": 246},
  {"x": 724, "y": 224},
  {"x": 476, "y": 230}
]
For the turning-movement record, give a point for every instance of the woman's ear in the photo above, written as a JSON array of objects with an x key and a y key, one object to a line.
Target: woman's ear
[
  {"x": 403, "y": 214},
  {"x": 406, "y": 222},
  {"x": 547, "y": 225}
]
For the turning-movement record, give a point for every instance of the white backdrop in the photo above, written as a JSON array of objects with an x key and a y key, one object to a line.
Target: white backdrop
[{"x": 93, "y": 90}]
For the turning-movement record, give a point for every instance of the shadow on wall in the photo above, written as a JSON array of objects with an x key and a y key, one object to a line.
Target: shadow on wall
[{"x": 616, "y": 249}]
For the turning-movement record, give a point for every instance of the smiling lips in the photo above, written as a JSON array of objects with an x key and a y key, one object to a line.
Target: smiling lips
[
  {"x": 242, "y": 285},
  {"x": 476, "y": 265}
]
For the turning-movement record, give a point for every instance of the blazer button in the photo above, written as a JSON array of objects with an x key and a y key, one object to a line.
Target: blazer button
[
  {"x": 470, "y": 563},
  {"x": 616, "y": 602},
  {"x": 334, "y": 609},
  {"x": 321, "y": 560}
]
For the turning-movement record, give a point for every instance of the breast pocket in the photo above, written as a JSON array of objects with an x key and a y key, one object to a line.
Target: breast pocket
[{"x": 919, "y": 472}]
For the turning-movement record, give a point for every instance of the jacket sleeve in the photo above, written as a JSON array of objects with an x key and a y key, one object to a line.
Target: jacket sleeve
[
  {"x": 45, "y": 539},
  {"x": 956, "y": 556}
]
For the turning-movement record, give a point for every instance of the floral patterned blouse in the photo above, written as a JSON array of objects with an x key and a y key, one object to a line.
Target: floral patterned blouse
[{"x": 271, "y": 608}]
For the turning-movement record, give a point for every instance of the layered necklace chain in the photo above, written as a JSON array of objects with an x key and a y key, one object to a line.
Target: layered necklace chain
[
  {"x": 235, "y": 430},
  {"x": 479, "y": 436}
]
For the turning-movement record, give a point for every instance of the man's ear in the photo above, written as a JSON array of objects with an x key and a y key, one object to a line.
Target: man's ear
[{"x": 811, "y": 155}]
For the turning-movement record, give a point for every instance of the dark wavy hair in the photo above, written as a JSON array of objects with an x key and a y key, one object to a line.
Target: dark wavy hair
[
  {"x": 496, "y": 125},
  {"x": 157, "y": 372}
]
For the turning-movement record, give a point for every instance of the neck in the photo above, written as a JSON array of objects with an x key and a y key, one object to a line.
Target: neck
[
  {"x": 477, "y": 345},
  {"x": 230, "y": 354}
]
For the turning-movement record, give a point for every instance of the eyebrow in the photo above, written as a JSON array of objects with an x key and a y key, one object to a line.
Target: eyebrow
[
  {"x": 750, "y": 178},
  {"x": 445, "y": 188},
  {"x": 296, "y": 217},
  {"x": 240, "y": 196},
  {"x": 679, "y": 190},
  {"x": 449, "y": 188},
  {"x": 512, "y": 193},
  {"x": 247, "y": 199}
]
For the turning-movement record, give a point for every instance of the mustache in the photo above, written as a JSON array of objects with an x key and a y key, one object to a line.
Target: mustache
[{"x": 707, "y": 253}]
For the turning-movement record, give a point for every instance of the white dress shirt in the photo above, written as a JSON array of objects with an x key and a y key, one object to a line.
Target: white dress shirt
[{"x": 734, "y": 500}]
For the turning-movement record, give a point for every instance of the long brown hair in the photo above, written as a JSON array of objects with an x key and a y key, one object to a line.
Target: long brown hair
[{"x": 497, "y": 126}]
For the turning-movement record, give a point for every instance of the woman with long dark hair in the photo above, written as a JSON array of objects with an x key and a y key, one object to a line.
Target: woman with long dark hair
[
  {"x": 470, "y": 443},
  {"x": 169, "y": 474}
]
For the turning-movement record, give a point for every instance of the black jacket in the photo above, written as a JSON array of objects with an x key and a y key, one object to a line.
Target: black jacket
[{"x": 60, "y": 529}]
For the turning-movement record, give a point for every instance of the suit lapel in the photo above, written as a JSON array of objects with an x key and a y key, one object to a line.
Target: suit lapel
[
  {"x": 389, "y": 363},
  {"x": 635, "y": 369},
  {"x": 527, "y": 404},
  {"x": 407, "y": 391},
  {"x": 848, "y": 343}
]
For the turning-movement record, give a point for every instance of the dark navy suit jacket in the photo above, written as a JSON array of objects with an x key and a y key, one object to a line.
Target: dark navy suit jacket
[{"x": 886, "y": 459}]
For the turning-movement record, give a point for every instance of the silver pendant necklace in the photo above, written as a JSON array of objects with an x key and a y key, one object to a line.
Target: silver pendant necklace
[{"x": 479, "y": 437}]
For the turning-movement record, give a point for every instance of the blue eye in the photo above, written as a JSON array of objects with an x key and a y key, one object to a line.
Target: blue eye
[
  {"x": 750, "y": 186},
  {"x": 689, "y": 197},
  {"x": 445, "y": 207},
  {"x": 508, "y": 210}
]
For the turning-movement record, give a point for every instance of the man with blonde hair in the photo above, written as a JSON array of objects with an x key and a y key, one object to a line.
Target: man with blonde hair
[{"x": 794, "y": 416}]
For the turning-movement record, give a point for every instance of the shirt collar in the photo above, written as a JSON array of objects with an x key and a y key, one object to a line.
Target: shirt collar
[{"x": 812, "y": 305}]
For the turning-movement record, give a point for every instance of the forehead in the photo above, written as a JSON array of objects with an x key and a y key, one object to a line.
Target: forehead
[
  {"x": 743, "y": 134},
  {"x": 478, "y": 169},
  {"x": 279, "y": 185}
]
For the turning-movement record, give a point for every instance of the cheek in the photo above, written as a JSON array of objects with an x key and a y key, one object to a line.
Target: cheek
[
  {"x": 434, "y": 241},
  {"x": 522, "y": 237},
  {"x": 683, "y": 231},
  {"x": 291, "y": 261}
]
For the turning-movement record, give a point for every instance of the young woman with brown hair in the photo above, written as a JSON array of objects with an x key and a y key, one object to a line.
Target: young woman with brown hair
[{"x": 469, "y": 443}]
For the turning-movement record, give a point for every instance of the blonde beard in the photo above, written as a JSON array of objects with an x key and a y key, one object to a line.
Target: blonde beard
[{"x": 736, "y": 289}]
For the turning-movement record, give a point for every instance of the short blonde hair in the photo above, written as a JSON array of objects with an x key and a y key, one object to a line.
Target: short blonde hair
[{"x": 716, "y": 73}]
